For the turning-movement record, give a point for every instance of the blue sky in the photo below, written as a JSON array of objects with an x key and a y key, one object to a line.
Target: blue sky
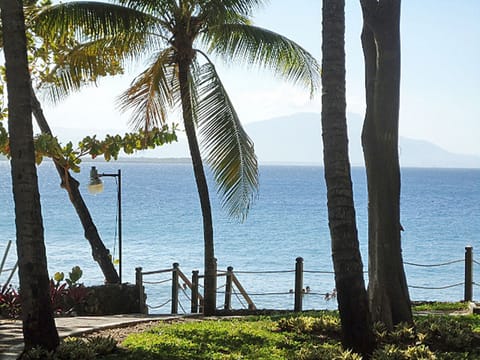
[{"x": 440, "y": 88}]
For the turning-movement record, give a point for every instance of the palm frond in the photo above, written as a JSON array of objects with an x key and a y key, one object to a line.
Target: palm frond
[
  {"x": 152, "y": 93},
  {"x": 263, "y": 48},
  {"x": 90, "y": 19},
  {"x": 242, "y": 8},
  {"x": 158, "y": 7},
  {"x": 227, "y": 148},
  {"x": 86, "y": 62}
]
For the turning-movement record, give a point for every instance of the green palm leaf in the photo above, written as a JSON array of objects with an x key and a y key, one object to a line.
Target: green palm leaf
[
  {"x": 88, "y": 18},
  {"x": 152, "y": 93},
  {"x": 240, "y": 7},
  {"x": 256, "y": 46},
  {"x": 228, "y": 149},
  {"x": 85, "y": 63}
]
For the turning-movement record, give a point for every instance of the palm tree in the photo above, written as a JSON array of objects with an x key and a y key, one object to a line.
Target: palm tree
[
  {"x": 37, "y": 315},
  {"x": 352, "y": 297},
  {"x": 181, "y": 36},
  {"x": 388, "y": 291}
]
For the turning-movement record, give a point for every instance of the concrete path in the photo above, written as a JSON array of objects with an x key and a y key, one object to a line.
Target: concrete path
[{"x": 11, "y": 337}]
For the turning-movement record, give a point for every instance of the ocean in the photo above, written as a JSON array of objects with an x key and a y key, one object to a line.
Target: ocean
[{"x": 440, "y": 212}]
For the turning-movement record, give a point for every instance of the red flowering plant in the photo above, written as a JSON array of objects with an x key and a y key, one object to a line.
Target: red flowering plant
[
  {"x": 67, "y": 297},
  {"x": 9, "y": 302}
]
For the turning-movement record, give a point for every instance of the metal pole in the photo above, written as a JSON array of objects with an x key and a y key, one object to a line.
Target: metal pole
[
  {"x": 120, "y": 264},
  {"x": 119, "y": 215},
  {"x": 9, "y": 243},
  {"x": 468, "y": 294},
  {"x": 298, "y": 284}
]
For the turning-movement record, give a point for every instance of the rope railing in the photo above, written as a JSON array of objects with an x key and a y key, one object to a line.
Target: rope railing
[
  {"x": 265, "y": 272},
  {"x": 270, "y": 293},
  {"x": 434, "y": 265},
  {"x": 232, "y": 285},
  {"x": 436, "y": 288},
  {"x": 159, "y": 306},
  {"x": 239, "y": 299},
  {"x": 157, "y": 282},
  {"x": 318, "y": 272}
]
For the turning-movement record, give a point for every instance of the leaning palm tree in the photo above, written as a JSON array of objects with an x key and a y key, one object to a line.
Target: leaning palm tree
[
  {"x": 182, "y": 36},
  {"x": 37, "y": 314}
]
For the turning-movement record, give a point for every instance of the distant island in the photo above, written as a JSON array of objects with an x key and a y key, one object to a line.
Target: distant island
[
  {"x": 296, "y": 139},
  {"x": 277, "y": 140}
]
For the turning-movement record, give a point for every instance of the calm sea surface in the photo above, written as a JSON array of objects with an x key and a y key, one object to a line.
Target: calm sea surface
[{"x": 162, "y": 225}]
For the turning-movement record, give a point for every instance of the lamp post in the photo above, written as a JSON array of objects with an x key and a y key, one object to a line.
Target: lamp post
[{"x": 95, "y": 186}]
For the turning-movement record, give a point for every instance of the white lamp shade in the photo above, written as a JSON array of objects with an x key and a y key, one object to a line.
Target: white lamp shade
[{"x": 95, "y": 188}]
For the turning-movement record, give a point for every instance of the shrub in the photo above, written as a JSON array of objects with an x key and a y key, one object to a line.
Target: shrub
[
  {"x": 403, "y": 334},
  {"x": 447, "y": 334},
  {"x": 324, "y": 325},
  {"x": 326, "y": 351},
  {"x": 37, "y": 354},
  {"x": 68, "y": 297},
  {"x": 102, "y": 345},
  {"x": 74, "y": 349},
  {"x": 9, "y": 302},
  {"x": 393, "y": 352}
]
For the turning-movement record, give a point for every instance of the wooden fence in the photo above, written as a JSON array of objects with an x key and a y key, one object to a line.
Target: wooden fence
[{"x": 232, "y": 282}]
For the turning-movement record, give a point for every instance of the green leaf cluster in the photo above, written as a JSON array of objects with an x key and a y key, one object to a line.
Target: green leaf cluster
[{"x": 70, "y": 157}]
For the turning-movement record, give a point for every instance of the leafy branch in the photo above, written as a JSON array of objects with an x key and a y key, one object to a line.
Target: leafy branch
[{"x": 70, "y": 157}]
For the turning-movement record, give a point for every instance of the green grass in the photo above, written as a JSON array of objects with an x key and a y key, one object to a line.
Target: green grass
[
  {"x": 441, "y": 306},
  {"x": 221, "y": 339},
  {"x": 304, "y": 337}
]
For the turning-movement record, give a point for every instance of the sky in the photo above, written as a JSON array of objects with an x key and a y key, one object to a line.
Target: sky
[{"x": 440, "y": 84}]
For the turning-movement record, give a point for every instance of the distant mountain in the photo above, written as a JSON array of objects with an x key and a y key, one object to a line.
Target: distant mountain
[{"x": 297, "y": 139}]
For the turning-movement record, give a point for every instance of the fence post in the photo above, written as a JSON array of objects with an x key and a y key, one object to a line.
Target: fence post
[
  {"x": 141, "y": 294},
  {"x": 215, "y": 279},
  {"x": 194, "y": 302},
  {"x": 228, "y": 289},
  {"x": 175, "y": 289},
  {"x": 468, "y": 293},
  {"x": 298, "y": 284}
]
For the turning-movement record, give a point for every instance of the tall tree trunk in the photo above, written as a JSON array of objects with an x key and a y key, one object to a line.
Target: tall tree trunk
[
  {"x": 210, "y": 281},
  {"x": 351, "y": 294},
  {"x": 37, "y": 315},
  {"x": 99, "y": 252},
  {"x": 388, "y": 292}
]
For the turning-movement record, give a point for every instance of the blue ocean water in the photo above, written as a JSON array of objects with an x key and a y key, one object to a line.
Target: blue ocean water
[{"x": 162, "y": 225}]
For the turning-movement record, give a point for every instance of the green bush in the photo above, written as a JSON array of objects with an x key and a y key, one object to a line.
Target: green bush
[
  {"x": 402, "y": 334},
  {"x": 326, "y": 351},
  {"x": 37, "y": 354},
  {"x": 102, "y": 345},
  {"x": 74, "y": 349},
  {"x": 324, "y": 325},
  {"x": 447, "y": 334},
  {"x": 393, "y": 352}
]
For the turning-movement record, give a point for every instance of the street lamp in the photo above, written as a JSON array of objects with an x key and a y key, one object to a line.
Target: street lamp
[{"x": 95, "y": 186}]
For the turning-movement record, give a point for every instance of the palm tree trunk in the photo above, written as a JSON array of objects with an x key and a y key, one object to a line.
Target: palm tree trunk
[
  {"x": 352, "y": 297},
  {"x": 202, "y": 187},
  {"x": 37, "y": 315},
  {"x": 99, "y": 252},
  {"x": 388, "y": 292}
]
